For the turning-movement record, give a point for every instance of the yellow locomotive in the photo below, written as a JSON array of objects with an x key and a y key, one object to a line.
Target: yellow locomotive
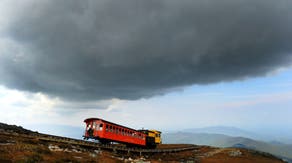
[{"x": 153, "y": 137}]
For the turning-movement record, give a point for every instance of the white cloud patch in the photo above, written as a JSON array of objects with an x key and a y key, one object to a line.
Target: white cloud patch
[
  {"x": 36, "y": 108},
  {"x": 20, "y": 107}
]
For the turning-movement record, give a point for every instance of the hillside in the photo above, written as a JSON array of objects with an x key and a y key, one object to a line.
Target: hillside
[
  {"x": 18, "y": 144},
  {"x": 220, "y": 140}
]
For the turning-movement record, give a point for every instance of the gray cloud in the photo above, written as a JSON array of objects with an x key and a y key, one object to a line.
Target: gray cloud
[{"x": 92, "y": 50}]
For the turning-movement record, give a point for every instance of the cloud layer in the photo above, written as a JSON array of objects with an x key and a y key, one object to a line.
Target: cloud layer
[{"x": 93, "y": 50}]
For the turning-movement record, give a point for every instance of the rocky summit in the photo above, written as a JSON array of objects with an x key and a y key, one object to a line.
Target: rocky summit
[{"x": 21, "y": 145}]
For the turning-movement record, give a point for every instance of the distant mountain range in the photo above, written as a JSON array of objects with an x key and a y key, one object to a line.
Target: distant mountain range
[
  {"x": 280, "y": 136},
  {"x": 225, "y": 130},
  {"x": 221, "y": 140}
]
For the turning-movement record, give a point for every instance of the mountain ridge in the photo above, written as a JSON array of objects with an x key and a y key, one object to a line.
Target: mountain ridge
[{"x": 221, "y": 140}]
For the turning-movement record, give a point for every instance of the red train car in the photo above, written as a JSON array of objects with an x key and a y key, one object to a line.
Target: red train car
[{"x": 106, "y": 132}]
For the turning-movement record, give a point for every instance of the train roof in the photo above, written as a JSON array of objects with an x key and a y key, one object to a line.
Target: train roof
[
  {"x": 90, "y": 119},
  {"x": 153, "y": 131}
]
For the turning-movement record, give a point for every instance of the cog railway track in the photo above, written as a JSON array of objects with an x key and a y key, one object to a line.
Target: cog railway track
[{"x": 99, "y": 146}]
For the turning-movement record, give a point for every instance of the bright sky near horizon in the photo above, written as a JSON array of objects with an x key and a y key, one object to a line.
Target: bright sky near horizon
[
  {"x": 255, "y": 103},
  {"x": 162, "y": 64}
]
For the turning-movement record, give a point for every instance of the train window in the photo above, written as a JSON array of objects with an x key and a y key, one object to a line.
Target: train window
[
  {"x": 106, "y": 127},
  {"x": 111, "y": 128},
  {"x": 100, "y": 126}
]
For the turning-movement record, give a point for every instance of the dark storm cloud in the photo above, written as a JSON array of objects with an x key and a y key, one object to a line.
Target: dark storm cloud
[{"x": 91, "y": 50}]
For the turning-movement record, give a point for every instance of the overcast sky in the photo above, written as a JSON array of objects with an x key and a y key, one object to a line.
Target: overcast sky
[{"x": 195, "y": 63}]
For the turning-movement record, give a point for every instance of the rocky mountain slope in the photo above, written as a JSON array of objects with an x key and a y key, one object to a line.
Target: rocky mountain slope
[{"x": 18, "y": 144}]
